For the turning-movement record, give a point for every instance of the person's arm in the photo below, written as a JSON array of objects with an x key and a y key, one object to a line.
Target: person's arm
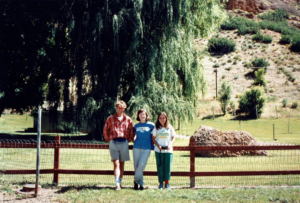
[
  {"x": 106, "y": 130},
  {"x": 131, "y": 133},
  {"x": 172, "y": 139},
  {"x": 155, "y": 143}
]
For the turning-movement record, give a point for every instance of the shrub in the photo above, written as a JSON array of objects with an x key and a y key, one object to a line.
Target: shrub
[
  {"x": 258, "y": 36},
  {"x": 267, "y": 39},
  {"x": 216, "y": 65},
  {"x": 225, "y": 96},
  {"x": 277, "y": 15},
  {"x": 236, "y": 77},
  {"x": 228, "y": 68},
  {"x": 232, "y": 105},
  {"x": 285, "y": 39},
  {"x": 296, "y": 44},
  {"x": 284, "y": 102},
  {"x": 251, "y": 99},
  {"x": 260, "y": 62},
  {"x": 260, "y": 77},
  {"x": 294, "y": 105},
  {"x": 221, "y": 45},
  {"x": 243, "y": 29}
]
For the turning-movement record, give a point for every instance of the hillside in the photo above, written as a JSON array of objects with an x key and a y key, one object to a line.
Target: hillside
[{"x": 232, "y": 69}]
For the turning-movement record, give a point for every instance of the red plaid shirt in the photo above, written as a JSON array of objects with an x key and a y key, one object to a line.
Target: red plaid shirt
[{"x": 114, "y": 128}]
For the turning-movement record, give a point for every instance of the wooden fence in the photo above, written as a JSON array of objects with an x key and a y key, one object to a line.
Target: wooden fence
[{"x": 192, "y": 148}]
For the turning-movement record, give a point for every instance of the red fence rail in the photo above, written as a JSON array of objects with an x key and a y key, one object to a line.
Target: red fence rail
[{"x": 192, "y": 148}]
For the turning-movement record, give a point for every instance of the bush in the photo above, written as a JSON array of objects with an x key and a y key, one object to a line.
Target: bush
[
  {"x": 260, "y": 62},
  {"x": 243, "y": 29},
  {"x": 284, "y": 102},
  {"x": 251, "y": 99},
  {"x": 225, "y": 96},
  {"x": 232, "y": 105},
  {"x": 278, "y": 15},
  {"x": 294, "y": 105},
  {"x": 285, "y": 39},
  {"x": 260, "y": 77},
  {"x": 296, "y": 44},
  {"x": 216, "y": 65},
  {"x": 267, "y": 39},
  {"x": 221, "y": 45},
  {"x": 258, "y": 36}
]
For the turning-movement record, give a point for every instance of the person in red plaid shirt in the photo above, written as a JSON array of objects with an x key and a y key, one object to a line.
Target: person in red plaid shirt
[{"x": 118, "y": 131}]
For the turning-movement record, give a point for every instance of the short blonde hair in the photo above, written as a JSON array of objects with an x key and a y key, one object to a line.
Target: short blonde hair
[{"x": 121, "y": 103}]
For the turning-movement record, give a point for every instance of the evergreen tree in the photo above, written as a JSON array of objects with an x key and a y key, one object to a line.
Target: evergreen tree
[{"x": 96, "y": 52}]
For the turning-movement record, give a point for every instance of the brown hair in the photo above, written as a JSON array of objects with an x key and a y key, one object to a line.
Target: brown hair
[
  {"x": 121, "y": 103},
  {"x": 158, "y": 125},
  {"x": 140, "y": 111}
]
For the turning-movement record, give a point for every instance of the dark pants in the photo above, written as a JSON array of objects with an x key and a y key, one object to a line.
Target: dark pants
[{"x": 163, "y": 163}]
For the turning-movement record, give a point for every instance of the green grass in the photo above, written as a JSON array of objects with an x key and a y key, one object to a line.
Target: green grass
[
  {"x": 260, "y": 129},
  {"x": 92, "y": 159},
  {"x": 13, "y": 122},
  {"x": 95, "y": 194}
]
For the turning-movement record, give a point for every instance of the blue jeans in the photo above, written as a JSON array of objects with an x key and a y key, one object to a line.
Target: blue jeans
[{"x": 140, "y": 158}]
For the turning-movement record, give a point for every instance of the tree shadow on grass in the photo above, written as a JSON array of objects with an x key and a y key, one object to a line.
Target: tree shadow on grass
[
  {"x": 243, "y": 117},
  {"x": 45, "y": 138},
  {"x": 211, "y": 116},
  {"x": 83, "y": 187}
]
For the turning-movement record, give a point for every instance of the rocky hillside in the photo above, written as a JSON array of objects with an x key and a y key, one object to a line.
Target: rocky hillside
[{"x": 231, "y": 67}]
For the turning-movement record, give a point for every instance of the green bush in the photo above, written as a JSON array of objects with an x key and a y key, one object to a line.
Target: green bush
[
  {"x": 251, "y": 99},
  {"x": 260, "y": 62},
  {"x": 232, "y": 105},
  {"x": 225, "y": 96},
  {"x": 296, "y": 44},
  {"x": 284, "y": 102},
  {"x": 258, "y": 36},
  {"x": 267, "y": 39},
  {"x": 221, "y": 45},
  {"x": 260, "y": 77},
  {"x": 216, "y": 65},
  {"x": 243, "y": 29},
  {"x": 285, "y": 39},
  {"x": 294, "y": 105},
  {"x": 277, "y": 15}
]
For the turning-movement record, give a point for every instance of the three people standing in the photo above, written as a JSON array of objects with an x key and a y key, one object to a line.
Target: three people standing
[{"x": 119, "y": 131}]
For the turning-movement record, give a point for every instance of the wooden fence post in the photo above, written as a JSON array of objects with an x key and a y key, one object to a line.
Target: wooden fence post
[
  {"x": 192, "y": 162},
  {"x": 56, "y": 160}
]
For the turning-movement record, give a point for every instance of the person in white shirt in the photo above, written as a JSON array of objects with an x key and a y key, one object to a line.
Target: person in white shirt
[{"x": 163, "y": 136}]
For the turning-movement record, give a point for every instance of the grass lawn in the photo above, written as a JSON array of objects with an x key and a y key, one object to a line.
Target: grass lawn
[
  {"x": 183, "y": 195},
  {"x": 91, "y": 194},
  {"x": 260, "y": 129},
  {"x": 91, "y": 159}
]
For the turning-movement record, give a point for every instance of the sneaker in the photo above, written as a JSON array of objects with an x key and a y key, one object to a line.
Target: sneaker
[
  {"x": 117, "y": 188},
  {"x": 141, "y": 187},
  {"x": 161, "y": 186},
  {"x": 136, "y": 186},
  {"x": 167, "y": 186}
]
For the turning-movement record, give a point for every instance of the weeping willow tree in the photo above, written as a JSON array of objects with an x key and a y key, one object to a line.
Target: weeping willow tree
[{"x": 139, "y": 51}]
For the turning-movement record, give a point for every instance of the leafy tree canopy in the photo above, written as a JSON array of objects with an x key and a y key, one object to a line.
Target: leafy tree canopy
[{"x": 86, "y": 54}]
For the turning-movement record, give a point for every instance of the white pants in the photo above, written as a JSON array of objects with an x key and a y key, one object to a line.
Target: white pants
[{"x": 140, "y": 158}]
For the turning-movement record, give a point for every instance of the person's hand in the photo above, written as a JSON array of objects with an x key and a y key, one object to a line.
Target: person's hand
[
  {"x": 159, "y": 147},
  {"x": 169, "y": 147},
  {"x": 107, "y": 140}
]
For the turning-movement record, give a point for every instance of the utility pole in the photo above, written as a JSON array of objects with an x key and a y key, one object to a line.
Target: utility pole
[{"x": 216, "y": 71}]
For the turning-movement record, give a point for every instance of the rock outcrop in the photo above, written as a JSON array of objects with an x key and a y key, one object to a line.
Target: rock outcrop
[
  {"x": 208, "y": 136},
  {"x": 254, "y": 6}
]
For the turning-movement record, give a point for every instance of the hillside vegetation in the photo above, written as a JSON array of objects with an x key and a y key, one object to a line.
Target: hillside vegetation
[{"x": 267, "y": 41}]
